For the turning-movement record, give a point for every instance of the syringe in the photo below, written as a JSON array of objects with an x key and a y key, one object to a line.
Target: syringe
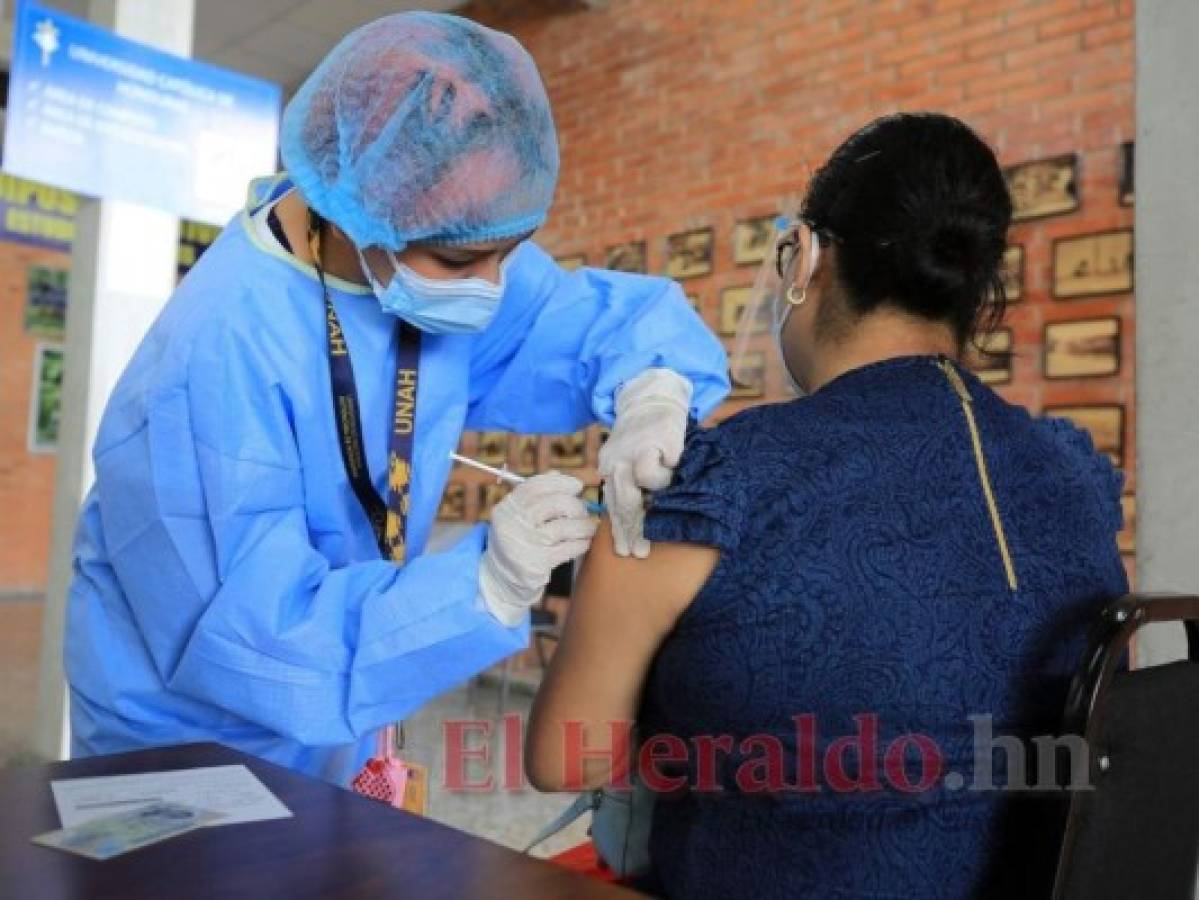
[{"x": 596, "y": 509}]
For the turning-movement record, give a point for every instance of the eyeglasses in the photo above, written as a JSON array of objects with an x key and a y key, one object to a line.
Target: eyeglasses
[
  {"x": 784, "y": 253},
  {"x": 791, "y": 244}
]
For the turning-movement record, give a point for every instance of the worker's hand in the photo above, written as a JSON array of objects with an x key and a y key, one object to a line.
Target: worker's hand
[
  {"x": 540, "y": 525},
  {"x": 645, "y": 446}
]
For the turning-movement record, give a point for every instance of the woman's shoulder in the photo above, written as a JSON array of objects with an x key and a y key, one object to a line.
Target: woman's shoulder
[
  {"x": 783, "y": 418},
  {"x": 745, "y": 432},
  {"x": 718, "y": 476},
  {"x": 707, "y": 498},
  {"x": 1049, "y": 456},
  {"x": 1073, "y": 449}
]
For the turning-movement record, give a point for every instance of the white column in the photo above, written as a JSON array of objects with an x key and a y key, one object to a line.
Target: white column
[
  {"x": 122, "y": 272},
  {"x": 1167, "y": 284}
]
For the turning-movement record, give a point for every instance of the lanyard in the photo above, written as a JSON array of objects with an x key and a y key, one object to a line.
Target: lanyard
[{"x": 389, "y": 520}]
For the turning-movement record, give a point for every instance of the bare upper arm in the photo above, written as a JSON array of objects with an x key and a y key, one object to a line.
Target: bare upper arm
[{"x": 621, "y": 611}]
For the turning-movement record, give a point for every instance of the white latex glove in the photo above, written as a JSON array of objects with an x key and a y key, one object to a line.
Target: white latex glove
[
  {"x": 645, "y": 446},
  {"x": 540, "y": 525}
]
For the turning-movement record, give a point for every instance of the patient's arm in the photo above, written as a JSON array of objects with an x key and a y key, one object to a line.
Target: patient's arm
[{"x": 621, "y": 612}]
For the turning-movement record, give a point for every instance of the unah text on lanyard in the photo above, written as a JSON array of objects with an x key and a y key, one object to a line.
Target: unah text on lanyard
[{"x": 389, "y": 519}]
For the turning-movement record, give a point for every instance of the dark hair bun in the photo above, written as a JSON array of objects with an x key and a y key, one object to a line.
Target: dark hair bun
[
  {"x": 951, "y": 257},
  {"x": 920, "y": 211}
]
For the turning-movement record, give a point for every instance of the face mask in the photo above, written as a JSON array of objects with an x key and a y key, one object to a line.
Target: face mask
[
  {"x": 435, "y": 305},
  {"x": 794, "y": 296}
]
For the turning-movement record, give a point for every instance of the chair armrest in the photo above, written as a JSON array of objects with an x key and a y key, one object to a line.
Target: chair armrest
[{"x": 1109, "y": 639}]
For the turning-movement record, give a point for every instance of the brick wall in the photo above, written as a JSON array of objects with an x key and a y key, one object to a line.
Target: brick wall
[
  {"x": 682, "y": 114},
  {"x": 697, "y": 113},
  {"x": 26, "y": 479}
]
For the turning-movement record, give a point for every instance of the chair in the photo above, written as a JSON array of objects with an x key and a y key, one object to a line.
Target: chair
[{"x": 1136, "y": 833}]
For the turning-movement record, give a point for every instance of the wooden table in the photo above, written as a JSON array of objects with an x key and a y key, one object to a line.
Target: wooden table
[{"x": 336, "y": 845}]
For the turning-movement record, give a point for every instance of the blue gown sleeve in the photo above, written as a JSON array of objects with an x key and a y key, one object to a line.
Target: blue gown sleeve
[
  {"x": 563, "y": 343},
  {"x": 204, "y": 514}
]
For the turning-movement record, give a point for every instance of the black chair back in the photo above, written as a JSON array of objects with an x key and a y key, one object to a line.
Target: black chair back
[{"x": 1136, "y": 833}]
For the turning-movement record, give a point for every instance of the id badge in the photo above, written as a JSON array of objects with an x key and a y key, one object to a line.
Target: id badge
[{"x": 416, "y": 789}]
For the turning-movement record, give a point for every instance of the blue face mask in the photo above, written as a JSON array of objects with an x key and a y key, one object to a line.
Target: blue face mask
[{"x": 435, "y": 305}]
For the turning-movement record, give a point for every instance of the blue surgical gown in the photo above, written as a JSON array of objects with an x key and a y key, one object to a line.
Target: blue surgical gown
[{"x": 227, "y": 583}]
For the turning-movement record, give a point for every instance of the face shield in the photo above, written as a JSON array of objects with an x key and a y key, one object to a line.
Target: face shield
[{"x": 755, "y": 363}]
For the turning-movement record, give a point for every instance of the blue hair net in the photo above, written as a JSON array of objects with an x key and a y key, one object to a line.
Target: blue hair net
[{"x": 424, "y": 127}]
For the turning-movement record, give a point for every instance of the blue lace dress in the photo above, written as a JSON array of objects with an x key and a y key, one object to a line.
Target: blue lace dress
[{"x": 862, "y": 590}]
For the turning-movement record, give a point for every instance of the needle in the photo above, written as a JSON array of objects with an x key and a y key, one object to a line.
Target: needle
[
  {"x": 501, "y": 474},
  {"x": 596, "y": 509}
]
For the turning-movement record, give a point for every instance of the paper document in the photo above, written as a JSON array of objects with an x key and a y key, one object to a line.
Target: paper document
[{"x": 232, "y": 791}]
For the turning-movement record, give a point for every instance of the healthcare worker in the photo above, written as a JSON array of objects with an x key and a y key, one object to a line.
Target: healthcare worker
[{"x": 249, "y": 563}]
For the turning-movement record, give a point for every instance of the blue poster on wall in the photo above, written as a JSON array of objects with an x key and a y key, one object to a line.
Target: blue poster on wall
[{"x": 99, "y": 114}]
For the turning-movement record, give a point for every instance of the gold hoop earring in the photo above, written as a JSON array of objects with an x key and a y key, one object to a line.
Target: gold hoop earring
[{"x": 793, "y": 299}]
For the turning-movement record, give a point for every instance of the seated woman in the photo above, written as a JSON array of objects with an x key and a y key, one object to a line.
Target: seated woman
[{"x": 853, "y": 594}]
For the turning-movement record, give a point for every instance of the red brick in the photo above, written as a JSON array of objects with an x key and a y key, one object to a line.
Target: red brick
[
  {"x": 931, "y": 25},
  {"x": 1027, "y": 57},
  {"x": 936, "y": 63},
  {"x": 942, "y": 99},
  {"x": 976, "y": 27},
  {"x": 1002, "y": 42},
  {"x": 905, "y": 51},
  {"x": 1037, "y": 91},
  {"x": 1078, "y": 21},
  {"x": 1077, "y": 103},
  {"x": 1117, "y": 32},
  {"x": 978, "y": 106},
  {"x": 975, "y": 70},
  {"x": 1043, "y": 10},
  {"x": 1114, "y": 74},
  {"x": 968, "y": 6},
  {"x": 1001, "y": 82},
  {"x": 993, "y": 9}
]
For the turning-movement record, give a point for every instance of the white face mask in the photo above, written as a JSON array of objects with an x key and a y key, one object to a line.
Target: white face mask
[
  {"x": 436, "y": 305},
  {"x": 807, "y": 250}
]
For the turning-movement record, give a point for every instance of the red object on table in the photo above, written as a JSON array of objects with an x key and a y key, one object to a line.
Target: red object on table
[
  {"x": 384, "y": 776},
  {"x": 585, "y": 860}
]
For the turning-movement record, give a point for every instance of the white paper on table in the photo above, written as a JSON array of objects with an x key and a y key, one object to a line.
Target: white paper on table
[{"x": 234, "y": 791}]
